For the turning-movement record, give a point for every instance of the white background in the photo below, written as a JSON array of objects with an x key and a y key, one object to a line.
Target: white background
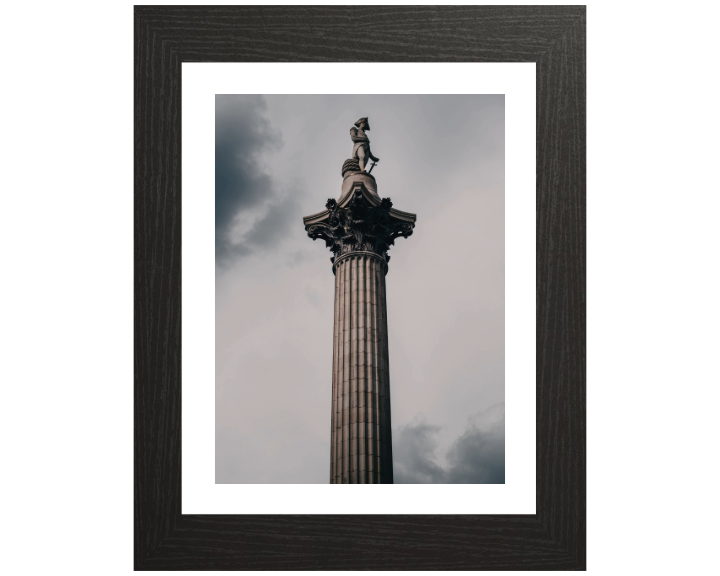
[
  {"x": 653, "y": 317},
  {"x": 200, "y": 494}
]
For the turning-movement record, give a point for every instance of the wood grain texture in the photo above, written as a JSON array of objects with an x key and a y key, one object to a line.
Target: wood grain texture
[{"x": 551, "y": 36}]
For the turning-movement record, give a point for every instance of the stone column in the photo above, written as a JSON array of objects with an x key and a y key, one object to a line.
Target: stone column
[
  {"x": 359, "y": 228},
  {"x": 361, "y": 441}
]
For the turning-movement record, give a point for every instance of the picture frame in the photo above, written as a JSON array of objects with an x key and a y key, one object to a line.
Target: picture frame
[{"x": 553, "y": 37}]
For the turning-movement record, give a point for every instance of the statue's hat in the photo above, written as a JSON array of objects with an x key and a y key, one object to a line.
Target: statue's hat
[{"x": 367, "y": 124}]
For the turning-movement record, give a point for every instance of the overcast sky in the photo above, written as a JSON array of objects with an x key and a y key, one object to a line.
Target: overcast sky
[{"x": 278, "y": 158}]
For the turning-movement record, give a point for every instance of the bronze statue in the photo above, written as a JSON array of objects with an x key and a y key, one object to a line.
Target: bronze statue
[{"x": 361, "y": 149}]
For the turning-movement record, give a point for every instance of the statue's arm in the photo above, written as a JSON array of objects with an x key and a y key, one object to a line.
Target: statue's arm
[{"x": 355, "y": 138}]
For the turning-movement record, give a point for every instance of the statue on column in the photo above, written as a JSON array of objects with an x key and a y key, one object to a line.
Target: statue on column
[{"x": 361, "y": 149}]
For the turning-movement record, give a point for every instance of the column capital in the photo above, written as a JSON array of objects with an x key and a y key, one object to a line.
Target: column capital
[{"x": 359, "y": 221}]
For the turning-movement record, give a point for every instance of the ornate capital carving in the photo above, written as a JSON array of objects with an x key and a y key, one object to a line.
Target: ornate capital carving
[{"x": 360, "y": 223}]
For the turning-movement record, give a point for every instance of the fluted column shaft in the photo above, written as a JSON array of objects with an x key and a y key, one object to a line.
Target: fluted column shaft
[{"x": 361, "y": 442}]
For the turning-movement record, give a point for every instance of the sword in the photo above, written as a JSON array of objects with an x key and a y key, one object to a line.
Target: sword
[{"x": 373, "y": 166}]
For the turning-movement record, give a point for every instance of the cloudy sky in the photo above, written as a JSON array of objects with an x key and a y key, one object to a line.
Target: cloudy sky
[{"x": 278, "y": 158}]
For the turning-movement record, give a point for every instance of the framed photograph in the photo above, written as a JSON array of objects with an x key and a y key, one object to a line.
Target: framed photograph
[{"x": 264, "y": 361}]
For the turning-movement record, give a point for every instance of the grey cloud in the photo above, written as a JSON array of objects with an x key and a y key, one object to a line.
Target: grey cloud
[
  {"x": 297, "y": 257},
  {"x": 476, "y": 457},
  {"x": 414, "y": 454},
  {"x": 242, "y": 135},
  {"x": 280, "y": 216}
]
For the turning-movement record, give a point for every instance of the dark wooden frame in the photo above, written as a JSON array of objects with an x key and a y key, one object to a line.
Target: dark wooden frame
[{"x": 551, "y": 36}]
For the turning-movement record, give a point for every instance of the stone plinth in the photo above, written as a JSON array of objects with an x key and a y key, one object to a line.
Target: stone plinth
[
  {"x": 352, "y": 178},
  {"x": 359, "y": 229}
]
